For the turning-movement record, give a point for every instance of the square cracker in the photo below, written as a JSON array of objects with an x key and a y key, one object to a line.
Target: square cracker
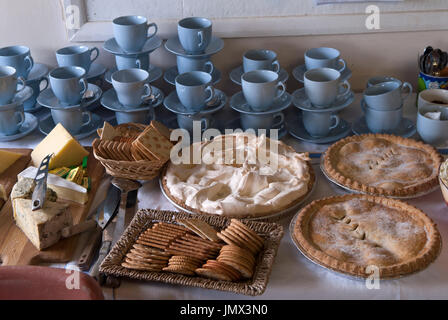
[
  {"x": 161, "y": 129},
  {"x": 151, "y": 142},
  {"x": 108, "y": 132},
  {"x": 201, "y": 228}
]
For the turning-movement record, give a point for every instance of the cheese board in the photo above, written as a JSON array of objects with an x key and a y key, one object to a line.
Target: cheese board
[
  {"x": 9, "y": 176},
  {"x": 17, "y": 249}
]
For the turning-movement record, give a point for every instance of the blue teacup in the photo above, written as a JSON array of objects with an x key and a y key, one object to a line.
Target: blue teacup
[
  {"x": 131, "y": 32},
  {"x": 131, "y": 86},
  {"x": 186, "y": 64},
  {"x": 80, "y": 56},
  {"x": 319, "y": 124},
  {"x": 260, "y": 60},
  {"x": 18, "y": 57},
  {"x": 260, "y": 88},
  {"x": 324, "y": 58},
  {"x": 72, "y": 119},
  {"x": 194, "y": 89},
  {"x": 68, "y": 84},
  {"x": 262, "y": 121},
  {"x": 382, "y": 121},
  {"x": 8, "y": 84},
  {"x": 130, "y": 62},
  {"x": 11, "y": 119},
  {"x": 187, "y": 122},
  {"x": 135, "y": 116},
  {"x": 194, "y": 34},
  {"x": 37, "y": 89}
]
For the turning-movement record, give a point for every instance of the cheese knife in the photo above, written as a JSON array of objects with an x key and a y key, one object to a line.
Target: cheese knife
[{"x": 40, "y": 190}]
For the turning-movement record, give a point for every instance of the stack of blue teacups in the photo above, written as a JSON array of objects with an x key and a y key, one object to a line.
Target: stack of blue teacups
[
  {"x": 15, "y": 66},
  {"x": 132, "y": 98},
  {"x": 195, "y": 98}
]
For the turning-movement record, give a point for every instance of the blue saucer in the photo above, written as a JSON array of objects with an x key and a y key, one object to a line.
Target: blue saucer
[
  {"x": 301, "y": 101},
  {"x": 173, "y": 104},
  {"x": 20, "y": 97},
  {"x": 299, "y": 71},
  {"x": 235, "y": 75},
  {"x": 152, "y": 44},
  {"x": 47, "y": 124},
  {"x": 406, "y": 129},
  {"x": 27, "y": 127},
  {"x": 239, "y": 103},
  {"x": 49, "y": 100},
  {"x": 173, "y": 45},
  {"x": 297, "y": 130},
  {"x": 38, "y": 71},
  {"x": 171, "y": 74},
  {"x": 96, "y": 70},
  {"x": 154, "y": 73},
  {"x": 110, "y": 101}
]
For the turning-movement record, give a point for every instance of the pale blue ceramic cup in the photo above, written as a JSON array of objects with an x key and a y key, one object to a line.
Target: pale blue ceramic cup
[
  {"x": 68, "y": 84},
  {"x": 387, "y": 95},
  {"x": 72, "y": 119},
  {"x": 131, "y": 86},
  {"x": 130, "y": 62},
  {"x": 11, "y": 119},
  {"x": 194, "y": 34},
  {"x": 319, "y": 124},
  {"x": 36, "y": 85},
  {"x": 323, "y": 86},
  {"x": 382, "y": 121},
  {"x": 80, "y": 56},
  {"x": 131, "y": 32},
  {"x": 8, "y": 84},
  {"x": 194, "y": 89},
  {"x": 143, "y": 116},
  {"x": 261, "y": 121},
  {"x": 260, "y": 88},
  {"x": 324, "y": 57},
  {"x": 260, "y": 60},
  {"x": 18, "y": 57},
  {"x": 187, "y": 121},
  {"x": 187, "y": 64}
]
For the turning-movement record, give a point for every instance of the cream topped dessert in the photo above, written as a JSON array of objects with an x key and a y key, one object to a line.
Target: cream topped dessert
[{"x": 239, "y": 174}]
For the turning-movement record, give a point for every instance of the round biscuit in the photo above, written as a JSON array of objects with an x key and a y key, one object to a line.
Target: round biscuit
[
  {"x": 186, "y": 272},
  {"x": 244, "y": 270},
  {"x": 245, "y": 236},
  {"x": 136, "y": 267},
  {"x": 241, "y": 241},
  {"x": 212, "y": 274},
  {"x": 247, "y": 229},
  {"x": 220, "y": 269},
  {"x": 236, "y": 257},
  {"x": 235, "y": 273}
]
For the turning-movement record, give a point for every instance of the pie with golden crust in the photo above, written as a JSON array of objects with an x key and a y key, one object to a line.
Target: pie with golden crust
[
  {"x": 351, "y": 232},
  {"x": 382, "y": 164}
]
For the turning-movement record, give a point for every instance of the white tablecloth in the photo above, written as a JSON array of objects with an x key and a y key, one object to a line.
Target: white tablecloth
[{"x": 293, "y": 276}]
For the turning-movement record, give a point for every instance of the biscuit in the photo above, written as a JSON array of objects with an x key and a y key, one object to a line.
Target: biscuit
[
  {"x": 201, "y": 228},
  {"x": 138, "y": 267},
  {"x": 212, "y": 274},
  {"x": 249, "y": 231},
  {"x": 180, "y": 270},
  {"x": 244, "y": 270}
]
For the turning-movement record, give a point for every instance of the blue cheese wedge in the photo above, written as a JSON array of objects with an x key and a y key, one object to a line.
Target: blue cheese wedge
[{"x": 65, "y": 189}]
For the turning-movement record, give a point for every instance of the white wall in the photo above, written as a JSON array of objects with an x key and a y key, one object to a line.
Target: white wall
[{"x": 39, "y": 25}]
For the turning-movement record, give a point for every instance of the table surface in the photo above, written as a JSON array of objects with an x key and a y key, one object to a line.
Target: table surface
[{"x": 293, "y": 276}]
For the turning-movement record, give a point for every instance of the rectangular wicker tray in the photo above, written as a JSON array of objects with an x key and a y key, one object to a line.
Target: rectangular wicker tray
[{"x": 271, "y": 232}]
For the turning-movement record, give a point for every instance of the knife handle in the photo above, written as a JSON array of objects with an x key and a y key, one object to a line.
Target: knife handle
[
  {"x": 95, "y": 271},
  {"x": 78, "y": 228},
  {"x": 89, "y": 251}
]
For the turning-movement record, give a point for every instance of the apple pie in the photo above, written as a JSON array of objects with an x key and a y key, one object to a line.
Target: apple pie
[
  {"x": 352, "y": 232},
  {"x": 231, "y": 178},
  {"x": 382, "y": 164}
]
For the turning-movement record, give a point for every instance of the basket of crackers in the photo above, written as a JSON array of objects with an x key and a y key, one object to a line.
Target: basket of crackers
[
  {"x": 133, "y": 151},
  {"x": 206, "y": 251}
]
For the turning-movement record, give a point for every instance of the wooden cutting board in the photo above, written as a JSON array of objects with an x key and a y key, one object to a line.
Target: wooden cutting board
[
  {"x": 16, "y": 249},
  {"x": 9, "y": 177}
]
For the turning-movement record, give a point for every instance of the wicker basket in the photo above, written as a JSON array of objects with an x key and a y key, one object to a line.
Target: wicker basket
[
  {"x": 134, "y": 170},
  {"x": 272, "y": 234}
]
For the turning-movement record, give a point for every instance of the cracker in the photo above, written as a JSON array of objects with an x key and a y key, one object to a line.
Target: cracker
[
  {"x": 245, "y": 237},
  {"x": 148, "y": 255},
  {"x": 151, "y": 244},
  {"x": 238, "y": 223},
  {"x": 226, "y": 239},
  {"x": 161, "y": 129},
  {"x": 244, "y": 270},
  {"x": 138, "y": 267},
  {"x": 151, "y": 142},
  {"x": 237, "y": 257},
  {"x": 149, "y": 250},
  {"x": 180, "y": 270},
  {"x": 136, "y": 154},
  {"x": 144, "y": 264},
  {"x": 201, "y": 228},
  {"x": 235, "y": 274},
  {"x": 137, "y": 257},
  {"x": 212, "y": 274},
  {"x": 240, "y": 241},
  {"x": 108, "y": 132}
]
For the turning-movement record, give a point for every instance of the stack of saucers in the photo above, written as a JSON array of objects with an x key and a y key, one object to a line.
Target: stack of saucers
[
  {"x": 193, "y": 48},
  {"x": 15, "y": 66},
  {"x": 324, "y": 94},
  {"x": 132, "y": 46},
  {"x": 68, "y": 99},
  {"x": 195, "y": 99},
  {"x": 382, "y": 105}
]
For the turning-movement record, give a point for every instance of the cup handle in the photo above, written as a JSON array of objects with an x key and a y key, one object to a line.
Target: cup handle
[
  {"x": 31, "y": 63},
  {"x": 22, "y": 82},
  {"x": 88, "y": 117},
  {"x": 212, "y": 94},
  {"x": 201, "y": 38},
  {"x": 46, "y": 84},
  {"x": 210, "y": 66},
  {"x": 336, "y": 120},
  {"x": 138, "y": 63},
  {"x": 21, "y": 114},
  {"x": 345, "y": 84},
  {"x": 149, "y": 25},
  {"x": 276, "y": 66},
  {"x": 84, "y": 85},
  {"x": 283, "y": 89},
  {"x": 94, "y": 49},
  {"x": 148, "y": 90},
  {"x": 342, "y": 65},
  {"x": 281, "y": 118},
  {"x": 406, "y": 85}
]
